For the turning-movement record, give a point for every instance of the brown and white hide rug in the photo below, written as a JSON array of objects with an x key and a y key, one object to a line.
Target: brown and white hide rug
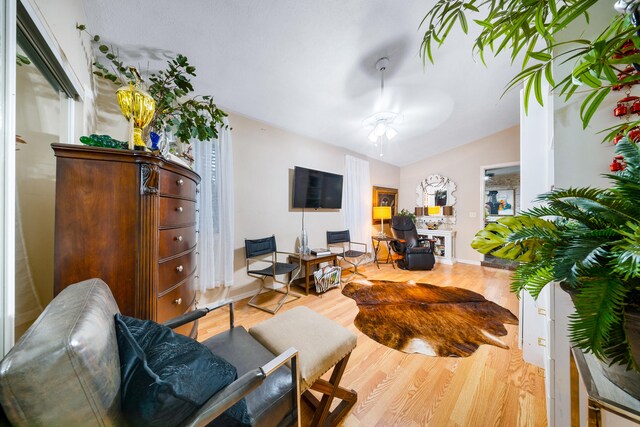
[{"x": 432, "y": 320}]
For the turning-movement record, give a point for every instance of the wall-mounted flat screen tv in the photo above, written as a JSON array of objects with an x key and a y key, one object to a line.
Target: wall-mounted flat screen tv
[{"x": 316, "y": 189}]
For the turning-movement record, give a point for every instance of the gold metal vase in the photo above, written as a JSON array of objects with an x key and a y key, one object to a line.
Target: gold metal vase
[{"x": 138, "y": 107}]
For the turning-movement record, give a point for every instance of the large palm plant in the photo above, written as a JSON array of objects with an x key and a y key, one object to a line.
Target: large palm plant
[{"x": 589, "y": 239}]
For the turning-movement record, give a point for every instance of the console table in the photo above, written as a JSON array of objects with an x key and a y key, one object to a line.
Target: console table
[
  {"x": 310, "y": 261},
  {"x": 444, "y": 246}
]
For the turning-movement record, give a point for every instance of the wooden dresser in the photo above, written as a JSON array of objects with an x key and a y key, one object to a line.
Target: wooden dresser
[{"x": 128, "y": 218}]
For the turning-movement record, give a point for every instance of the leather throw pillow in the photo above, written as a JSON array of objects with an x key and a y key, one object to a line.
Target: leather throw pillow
[{"x": 165, "y": 377}]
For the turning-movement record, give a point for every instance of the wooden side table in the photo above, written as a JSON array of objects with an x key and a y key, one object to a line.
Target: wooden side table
[
  {"x": 310, "y": 261},
  {"x": 376, "y": 241}
]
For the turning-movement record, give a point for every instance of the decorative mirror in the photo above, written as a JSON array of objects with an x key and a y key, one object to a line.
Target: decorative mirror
[{"x": 435, "y": 200}]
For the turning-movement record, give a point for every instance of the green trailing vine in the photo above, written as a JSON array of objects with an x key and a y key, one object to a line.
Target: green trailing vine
[
  {"x": 528, "y": 30},
  {"x": 190, "y": 116}
]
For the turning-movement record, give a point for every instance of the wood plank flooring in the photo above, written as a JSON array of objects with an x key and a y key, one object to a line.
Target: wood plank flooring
[{"x": 493, "y": 387}]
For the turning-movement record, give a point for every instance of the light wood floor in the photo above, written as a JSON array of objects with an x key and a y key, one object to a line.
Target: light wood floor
[{"x": 493, "y": 387}]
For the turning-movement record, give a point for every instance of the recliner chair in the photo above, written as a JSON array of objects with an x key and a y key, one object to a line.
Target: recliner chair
[{"x": 408, "y": 246}]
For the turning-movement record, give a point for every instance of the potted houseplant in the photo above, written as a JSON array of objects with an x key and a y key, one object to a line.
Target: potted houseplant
[
  {"x": 411, "y": 215},
  {"x": 176, "y": 107},
  {"x": 588, "y": 239}
]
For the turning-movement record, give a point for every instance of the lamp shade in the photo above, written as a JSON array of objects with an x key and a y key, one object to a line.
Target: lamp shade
[{"x": 382, "y": 212}]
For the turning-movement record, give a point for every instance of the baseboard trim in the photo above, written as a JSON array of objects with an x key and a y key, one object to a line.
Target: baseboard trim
[
  {"x": 243, "y": 295},
  {"x": 469, "y": 261}
]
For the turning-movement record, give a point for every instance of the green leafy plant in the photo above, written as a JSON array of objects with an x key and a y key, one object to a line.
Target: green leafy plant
[
  {"x": 528, "y": 30},
  {"x": 410, "y": 214},
  {"x": 191, "y": 116},
  {"x": 589, "y": 239}
]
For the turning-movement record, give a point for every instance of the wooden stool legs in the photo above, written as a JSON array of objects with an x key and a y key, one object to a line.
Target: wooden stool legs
[{"x": 331, "y": 389}]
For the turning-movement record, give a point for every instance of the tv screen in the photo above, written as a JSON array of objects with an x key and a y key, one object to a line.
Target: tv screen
[{"x": 316, "y": 189}]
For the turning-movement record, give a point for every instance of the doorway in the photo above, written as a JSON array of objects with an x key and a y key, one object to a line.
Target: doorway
[{"x": 501, "y": 198}]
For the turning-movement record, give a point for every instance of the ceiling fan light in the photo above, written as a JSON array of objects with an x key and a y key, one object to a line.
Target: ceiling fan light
[
  {"x": 372, "y": 136},
  {"x": 380, "y": 129},
  {"x": 391, "y": 133}
]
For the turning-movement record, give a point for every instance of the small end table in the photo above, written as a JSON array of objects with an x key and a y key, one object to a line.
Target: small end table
[
  {"x": 376, "y": 241},
  {"x": 312, "y": 261}
]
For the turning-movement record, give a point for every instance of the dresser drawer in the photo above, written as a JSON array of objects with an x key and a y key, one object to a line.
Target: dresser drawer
[
  {"x": 177, "y": 185},
  {"x": 176, "y": 302},
  {"x": 176, "y": 240},
  {"x": 176, "y": 212},
  {"x": 176, "y": 270}
]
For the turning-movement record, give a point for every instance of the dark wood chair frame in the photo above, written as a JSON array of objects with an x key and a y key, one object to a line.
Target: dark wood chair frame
[{"x": 331, "y": 390}]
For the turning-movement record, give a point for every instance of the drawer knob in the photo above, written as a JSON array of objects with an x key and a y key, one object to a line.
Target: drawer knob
[
  {"x": 178, "y": 238},
  {"x": 179, "y": 269},
  {"x": 177, "y": 301},
  {"x": 179, "y": 209},
  {"x": 180, "y": 182}
]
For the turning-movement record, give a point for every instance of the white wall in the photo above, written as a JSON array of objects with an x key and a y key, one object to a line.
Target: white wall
[
  {"x": 463, "y": 166},
  {"x": 264, "y": 158}
]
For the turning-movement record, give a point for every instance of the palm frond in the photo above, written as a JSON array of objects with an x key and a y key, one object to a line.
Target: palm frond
[
  {"x": 532, "y": 276},
  {"x": 627, "y": 253},
  {"x": 618, "y": 349},
  {"x": 565, "y": 193},
  {"x": 571, "y": 210},
  {"x": 626, "y": 188},
  {"x": 539, "y": 230},
  {"x": 599, "y": 307},
  {"x": 542, "y": 211},
  {"x": 537, "y": 279},
  {"x": 631, "y": 153}
]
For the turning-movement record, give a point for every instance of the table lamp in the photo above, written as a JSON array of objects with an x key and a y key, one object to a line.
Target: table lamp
[{"x": 382, "y": 213}]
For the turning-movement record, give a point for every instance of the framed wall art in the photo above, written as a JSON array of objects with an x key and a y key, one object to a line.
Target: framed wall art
[
  {"x": 500, "y": 202},
  {"x": 383, "y": 196}
]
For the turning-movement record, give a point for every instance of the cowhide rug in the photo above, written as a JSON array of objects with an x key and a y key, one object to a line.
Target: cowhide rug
[{"x": 432, "y": 320}]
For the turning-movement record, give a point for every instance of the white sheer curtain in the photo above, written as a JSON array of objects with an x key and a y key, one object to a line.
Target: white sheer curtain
[
  {"x": 357, "y": 199},
  {"x": 214, "y": 164}
]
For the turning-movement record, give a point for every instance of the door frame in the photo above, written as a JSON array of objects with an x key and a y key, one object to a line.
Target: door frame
[
  {"x": 7, "y": 171},
  {"x": 12, "y": 14},
  {"x": 483, "y": 170}
]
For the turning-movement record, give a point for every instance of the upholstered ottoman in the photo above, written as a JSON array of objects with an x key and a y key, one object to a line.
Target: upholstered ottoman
[{"x": 321, "y": 344}]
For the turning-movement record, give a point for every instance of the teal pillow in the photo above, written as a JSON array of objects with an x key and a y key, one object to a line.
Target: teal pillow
[{"x": 167, "y": 376}]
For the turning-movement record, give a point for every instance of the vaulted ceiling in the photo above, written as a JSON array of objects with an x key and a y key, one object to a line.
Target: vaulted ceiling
[{"x": 309, "y": 67}]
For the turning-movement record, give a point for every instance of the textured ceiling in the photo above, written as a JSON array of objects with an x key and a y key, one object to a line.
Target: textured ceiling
[{"x": 308, "y": 67}]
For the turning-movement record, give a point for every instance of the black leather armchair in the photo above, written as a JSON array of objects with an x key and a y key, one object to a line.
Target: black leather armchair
[
  {"x": 65, "y": 370},
  {"x": 413, "y": 253}
]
